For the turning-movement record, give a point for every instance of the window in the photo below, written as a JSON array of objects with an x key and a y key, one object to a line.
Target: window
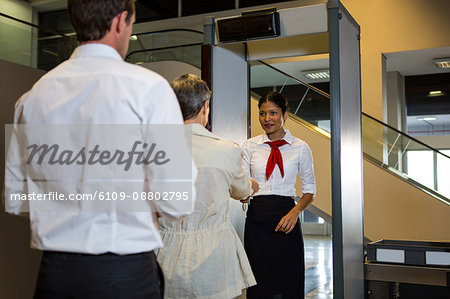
[{"x": 420, "y": 167}]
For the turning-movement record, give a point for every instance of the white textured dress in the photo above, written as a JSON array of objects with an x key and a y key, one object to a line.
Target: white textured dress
[{"x": 203, "y": 256}]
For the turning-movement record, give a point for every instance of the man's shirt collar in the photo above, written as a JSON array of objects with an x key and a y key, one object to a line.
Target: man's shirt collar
[{"x": 96, "y": 50}]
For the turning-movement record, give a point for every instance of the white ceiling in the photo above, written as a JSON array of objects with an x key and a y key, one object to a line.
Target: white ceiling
[
  {"x": 418, "y": 62},
  {"x": 417, "y": 121},
  {"x": 407, "y": 63},
  {"x": 265, "y": 76},
  {"x": 295, "y": 66}
]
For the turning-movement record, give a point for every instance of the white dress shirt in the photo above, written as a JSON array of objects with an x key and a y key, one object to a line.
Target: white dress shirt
[
  {"x": 297, "y": 158},
  {"x": 95, "y": 86}
]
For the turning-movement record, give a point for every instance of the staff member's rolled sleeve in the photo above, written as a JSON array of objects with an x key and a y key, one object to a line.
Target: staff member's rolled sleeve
[{"x": 306, "y": 170}]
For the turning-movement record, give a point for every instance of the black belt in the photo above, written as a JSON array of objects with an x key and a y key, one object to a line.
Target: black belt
[{"x": 64, "y": 253}]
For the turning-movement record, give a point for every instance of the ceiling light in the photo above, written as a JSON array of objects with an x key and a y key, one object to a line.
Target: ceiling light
[
  {"x": 442, "y": 63},
  {"x": 435, "y": 93},
  {"x": 317, "y": 74},
  {"x": 427, "y": 118}
]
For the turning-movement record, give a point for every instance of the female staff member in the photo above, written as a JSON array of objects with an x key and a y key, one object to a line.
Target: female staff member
[{"x": 273, "y": 238}]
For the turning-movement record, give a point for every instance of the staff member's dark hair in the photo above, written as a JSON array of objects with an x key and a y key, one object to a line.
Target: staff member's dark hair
[
  {"x": 92, "y": 18},
  {"x": 276, "y": 98}
]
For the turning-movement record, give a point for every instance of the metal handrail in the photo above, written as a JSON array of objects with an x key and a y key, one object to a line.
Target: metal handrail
[
  {"x": 162, "y": 48},
  {"x": 406, "y": 135},
  {"x": 35, "y": 26},
  {"x": 295, "y": 79},
  {"x": 169, "y": 30},
  {"x": 69, "y": 37}
]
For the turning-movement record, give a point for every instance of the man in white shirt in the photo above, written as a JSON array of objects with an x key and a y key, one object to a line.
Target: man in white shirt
[{"x": 101, "y": 254}]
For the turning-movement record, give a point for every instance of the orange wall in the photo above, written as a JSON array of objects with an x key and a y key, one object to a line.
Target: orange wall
[
  {"x": 393, "y": 209},
  {"x": 393, "y": 26}
]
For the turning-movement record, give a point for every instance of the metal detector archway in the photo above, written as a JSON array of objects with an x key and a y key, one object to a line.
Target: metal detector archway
[{"x": 311, "y": 29}]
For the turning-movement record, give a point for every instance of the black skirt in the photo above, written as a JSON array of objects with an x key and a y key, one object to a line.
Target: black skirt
[{"x": 276, "y": 258}]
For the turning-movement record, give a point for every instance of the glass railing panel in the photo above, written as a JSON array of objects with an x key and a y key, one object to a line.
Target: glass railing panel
[
  {"x": 190, "y": 54},
  {"x": 430, "y": 168},
  {"x": 394, "y": 146},
  {"x": 443, "y": 173},
  {"x": 32, "y": 45},
  {"x": 315, "y": 108},
  {"x": 407, "y": 157},
  {"x": 372, "y": 133},
  {"x": 420, "y": 166},
  {"x": 53, "y": 50},
  {"x": 16, "y": 42},
  {"x": 164, "y": 39},
  {"x": 304, "y": 100},
  {"x": 170, "y": 45}
]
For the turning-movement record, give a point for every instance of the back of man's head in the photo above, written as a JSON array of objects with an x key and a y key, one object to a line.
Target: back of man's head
[
  {"x": 92, "y": 18},
  {"x": 192, "y": 93}
]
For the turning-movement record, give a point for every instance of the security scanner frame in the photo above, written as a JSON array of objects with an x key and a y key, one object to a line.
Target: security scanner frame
[{"x": 318, "y": 27}]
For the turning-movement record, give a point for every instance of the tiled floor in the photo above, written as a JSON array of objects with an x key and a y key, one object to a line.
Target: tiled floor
[{"x": 319, "y": 267}]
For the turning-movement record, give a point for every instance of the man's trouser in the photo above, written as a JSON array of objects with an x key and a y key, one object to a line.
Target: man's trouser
[{"x": 71, "y": 275}]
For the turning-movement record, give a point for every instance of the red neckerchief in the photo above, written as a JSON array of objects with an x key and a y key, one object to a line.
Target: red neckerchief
[{"x": 275, "y": 157}]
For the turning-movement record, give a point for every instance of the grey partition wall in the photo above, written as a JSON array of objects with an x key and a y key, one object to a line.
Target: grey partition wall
[
  {"x": 346, "y": 151},
  {"x": 226, "y": 70},
  {"x": 230, "y": 99},
  {"x": 227, "y": 73},
  {"x": 225, "y": 67}
]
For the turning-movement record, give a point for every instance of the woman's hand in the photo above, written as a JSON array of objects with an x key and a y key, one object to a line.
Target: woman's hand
[
  {"x": 287, "y": 223},
  {"x": 245, "y": 200},
  {"x": 255, "y": 186}
]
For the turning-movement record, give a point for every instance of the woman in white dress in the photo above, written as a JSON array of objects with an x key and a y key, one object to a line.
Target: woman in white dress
[{"x": 203, "y": 256}]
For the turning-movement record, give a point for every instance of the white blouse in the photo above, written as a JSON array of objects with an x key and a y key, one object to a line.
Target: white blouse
[{"x": 297, "y": 158}]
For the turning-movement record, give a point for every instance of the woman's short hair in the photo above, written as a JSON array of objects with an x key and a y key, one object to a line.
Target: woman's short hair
[
  {"x": 276, "y": 98},
  {"x": 92, "y": 18},
  {"x": 192, "y": 93}
]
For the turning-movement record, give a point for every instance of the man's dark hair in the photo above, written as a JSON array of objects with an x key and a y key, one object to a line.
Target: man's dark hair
[
  {"x": 192, "y": 93},
  {"x": 276, "y": 98},
  {"x": 92, "y": 18}
]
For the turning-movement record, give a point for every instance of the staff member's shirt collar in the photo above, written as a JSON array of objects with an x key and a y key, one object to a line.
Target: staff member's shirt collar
[{"x": 287, "y": 137}]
